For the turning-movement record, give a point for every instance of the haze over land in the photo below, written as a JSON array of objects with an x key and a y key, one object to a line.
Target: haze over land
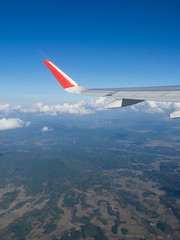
[{"x": 103, "y": 175}]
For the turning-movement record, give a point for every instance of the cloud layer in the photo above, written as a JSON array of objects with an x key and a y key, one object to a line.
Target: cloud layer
[
  {"x": 54, "y": 109},
  {"x": 80, "y": 107},
  {"x": 156, "y": 107},
  {"x": 86, "y": 107}
]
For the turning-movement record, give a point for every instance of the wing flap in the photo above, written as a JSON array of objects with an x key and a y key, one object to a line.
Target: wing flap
[{"x": 119, "y": 103}]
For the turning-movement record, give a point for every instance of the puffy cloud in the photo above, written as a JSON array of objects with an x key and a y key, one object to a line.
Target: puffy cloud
[
  {"x": 16, "y": 107},
  {"x": 54, "y": 109},
  {"x": 4, "y": 107},
  {"x": 11, "y": 123},
  {"x": 28, "y": 124},
  {"x": 98, "y": 103},
  {"x": 45, "y": 129},
  {"x": 7, "y": 108},
  {"x": 80, "y": 107},
  {"x": 155, "y": 107},
  {"x": 86, "y": 107}
]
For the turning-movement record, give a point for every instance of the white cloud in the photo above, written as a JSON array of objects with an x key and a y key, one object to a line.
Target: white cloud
[
  {"x": 155, "y": 107},
  {"x": 28, "y": 124},
  {"x": 80, "y": 107},
  {"x": 98, "y": 103},
  {"x": 7, "y": 108},
  {"x": 4, "y": 107},
  {"x": 11, "y": 123},
  {"x": 45, "y": 129},
  {"x": 16, "y": 107},
  {"x": 54, "y": 109},
  {"x": 86, "y": 107}
]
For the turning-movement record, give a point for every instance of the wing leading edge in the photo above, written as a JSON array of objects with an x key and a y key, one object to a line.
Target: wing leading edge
[{"x": 123, "y": 96}]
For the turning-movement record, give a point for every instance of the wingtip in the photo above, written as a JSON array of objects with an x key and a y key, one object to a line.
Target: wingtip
[
  {"x": 63, "y": 79},
  {"x": 45, "y": 61}
]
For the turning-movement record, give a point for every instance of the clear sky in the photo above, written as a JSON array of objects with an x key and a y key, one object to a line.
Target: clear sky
[{"x": 111, "y": 43}]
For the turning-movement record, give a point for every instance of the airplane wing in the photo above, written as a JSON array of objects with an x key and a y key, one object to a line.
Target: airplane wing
[{"x": 123, "y": 96}]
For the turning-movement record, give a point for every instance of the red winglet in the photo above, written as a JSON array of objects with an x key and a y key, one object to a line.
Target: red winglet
[{"x": 62, "y": 78}]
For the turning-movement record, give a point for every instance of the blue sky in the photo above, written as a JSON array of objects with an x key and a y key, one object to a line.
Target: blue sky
[{"x": 97, "y": 43}]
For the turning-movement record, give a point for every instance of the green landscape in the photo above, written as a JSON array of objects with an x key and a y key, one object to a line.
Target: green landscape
[{"x": 84, "y": 182}]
